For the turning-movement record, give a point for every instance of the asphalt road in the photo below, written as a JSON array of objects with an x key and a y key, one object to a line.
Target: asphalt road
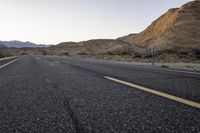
[{"x": 54, "y": 94}]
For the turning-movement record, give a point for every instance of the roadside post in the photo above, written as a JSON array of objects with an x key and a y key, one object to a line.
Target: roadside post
[{"x": 153, "y": 57}]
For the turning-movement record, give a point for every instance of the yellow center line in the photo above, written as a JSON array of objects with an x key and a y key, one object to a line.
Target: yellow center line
[{"x": 165, "y": 95}]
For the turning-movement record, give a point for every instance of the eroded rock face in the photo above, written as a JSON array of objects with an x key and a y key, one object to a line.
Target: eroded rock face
[{"x": 177, "y": 30}]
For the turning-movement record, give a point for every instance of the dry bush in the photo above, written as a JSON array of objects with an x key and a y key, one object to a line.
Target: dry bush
[
  {"x": 82, "y": 53},
  {"x": 196, "y": 53},
  {"x": 4, "y": 53},
  {"x": 121, "y": 51}
]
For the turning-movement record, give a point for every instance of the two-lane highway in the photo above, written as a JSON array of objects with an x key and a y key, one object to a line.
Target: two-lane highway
[{"x": 54, "y": 94}]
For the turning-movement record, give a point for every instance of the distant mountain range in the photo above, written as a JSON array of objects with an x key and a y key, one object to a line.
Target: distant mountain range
[{"x": 20, "y": 44}]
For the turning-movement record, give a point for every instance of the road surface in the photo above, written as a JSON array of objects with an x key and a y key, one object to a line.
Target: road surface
[{"x": 55, "y": 94}]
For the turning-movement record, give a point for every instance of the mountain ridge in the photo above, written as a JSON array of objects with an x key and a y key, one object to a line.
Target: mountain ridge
[{"x": 21, "y": 44}]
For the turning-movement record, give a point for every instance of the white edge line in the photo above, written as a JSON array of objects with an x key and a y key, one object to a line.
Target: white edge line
[
  {"x": 169, "y": 69},
  {"x": 9, "y": 62},
  {"x": 179, "y": 71},
  {"x": 165, "y": 95}
]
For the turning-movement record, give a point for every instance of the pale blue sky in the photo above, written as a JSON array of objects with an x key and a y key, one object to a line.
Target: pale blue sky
[{"x": 54, "y": 21}]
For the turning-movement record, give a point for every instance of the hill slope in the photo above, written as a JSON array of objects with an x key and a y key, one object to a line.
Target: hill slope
[
  {"x": 94, "y": 47},
  {"x": 178, "y": 30}
]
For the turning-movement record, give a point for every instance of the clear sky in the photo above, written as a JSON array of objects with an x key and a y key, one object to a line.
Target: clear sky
[{"x": 54, "y": 21}]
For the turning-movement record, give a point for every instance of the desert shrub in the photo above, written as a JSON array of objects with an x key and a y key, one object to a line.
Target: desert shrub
[
  {"x": 147, "y": 56},
  {"x": 66, "y": 53},
  {"x": 121, "y": 51},
  {"x": 196, "y": 53},
  {"x": 82, "y": 53},
  {"x": 125, "y": 51},
  {"x": 23, "y": 53},
  {"x": 117, "y": 58},
  {"x": 2, "y": 53},
  {"x": 62, "y": 54},
  {"x": 110, "y": 53},
  {"x": 183, "y": 53},
  {"x": 164, "y": 66},
  {"x": 136, "y": 55},
  {"x": 44, "y": 52}
]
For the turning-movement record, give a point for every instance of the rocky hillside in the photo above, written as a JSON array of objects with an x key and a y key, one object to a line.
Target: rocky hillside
[
  {"x": 178, "y": 30},
  {"x": 94, "y": 47}
]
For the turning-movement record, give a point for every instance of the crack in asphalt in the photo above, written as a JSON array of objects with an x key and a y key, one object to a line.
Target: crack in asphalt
[
  {"x": 77, "y": 125},
  {"x": 79, "y": 128}
]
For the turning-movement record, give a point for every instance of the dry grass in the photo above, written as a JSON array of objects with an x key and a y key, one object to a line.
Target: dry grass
[
  {"x": 7, "y": 58},
  {"x": 164, "y": 58}
]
